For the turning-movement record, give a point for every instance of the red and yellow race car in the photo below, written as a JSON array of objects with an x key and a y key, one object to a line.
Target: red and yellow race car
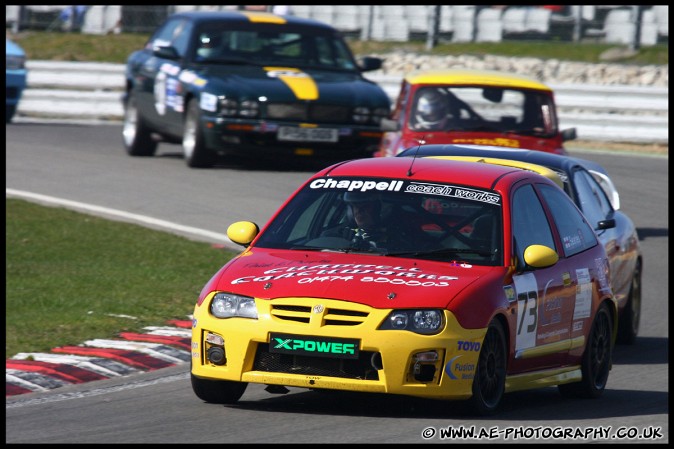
[
  {"x": 422, "y": 277},
  {"x": 483, "y": 107}
]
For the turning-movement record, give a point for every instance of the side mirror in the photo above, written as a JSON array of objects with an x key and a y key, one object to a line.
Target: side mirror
[
  {"x": 242, "y": 232},
  {"x": 569, "y": 134},
  {"x": 369, "y": 63},
  {"x": 388, "y": 125},
  {"x": 540, "y": 256},
  {"x": 165, "y": 52},
  {"x": 606, "y": 224}
]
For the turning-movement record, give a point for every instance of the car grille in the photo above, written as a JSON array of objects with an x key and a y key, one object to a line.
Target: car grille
[
  {"x": 308, "y": 112},
  {"x": 331, "y": 317},
  {"x": 360, "y": 368}
]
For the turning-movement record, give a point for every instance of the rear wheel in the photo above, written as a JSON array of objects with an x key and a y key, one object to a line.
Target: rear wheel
[
  {"x": 218, "y": 391},
  {"x": 9, "y": 114},
  {"x": 137, "y": 135},
  {"x": 194, "y": 148},
  {"x": 628, "y": 324},
  {"x": 489, "y": 380},
  {"x": 596, "y": 362}
]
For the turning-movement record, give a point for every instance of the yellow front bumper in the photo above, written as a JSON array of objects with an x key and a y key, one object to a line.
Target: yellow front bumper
[{"x": 390, "y": 361}]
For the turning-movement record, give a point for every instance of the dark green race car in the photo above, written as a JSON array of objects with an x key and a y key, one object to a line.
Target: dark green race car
[{"x": 250, "y": 84}]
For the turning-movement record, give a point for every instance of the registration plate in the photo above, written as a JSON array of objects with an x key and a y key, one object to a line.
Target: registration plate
[
  {"x": 340, "y": 348},
  {"x": 290, "y": 134}
]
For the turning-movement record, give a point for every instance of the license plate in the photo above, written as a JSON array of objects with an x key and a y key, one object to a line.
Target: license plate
[
  {"x": 290, "y": 134},
  {"x": 340, "y": 348}
]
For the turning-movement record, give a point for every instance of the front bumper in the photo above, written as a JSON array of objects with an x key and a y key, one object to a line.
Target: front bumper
[
  {"x": 259, "y": 137},
  {"x": 397, "y": 362}
]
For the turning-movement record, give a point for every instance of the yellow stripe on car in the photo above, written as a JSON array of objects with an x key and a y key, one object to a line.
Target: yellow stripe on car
[
  {"x": 303, "y": 86},
  {"x": 262, "y": 17}
]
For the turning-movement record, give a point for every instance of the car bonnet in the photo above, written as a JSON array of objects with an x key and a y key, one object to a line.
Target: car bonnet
[{"x": 376, "y": 281}]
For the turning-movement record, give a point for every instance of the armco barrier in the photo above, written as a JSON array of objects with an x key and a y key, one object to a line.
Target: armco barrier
[{"x": 92, "y": 91}]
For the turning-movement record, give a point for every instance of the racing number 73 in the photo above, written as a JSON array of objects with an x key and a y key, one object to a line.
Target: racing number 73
[{"x": 527, "y": 303}]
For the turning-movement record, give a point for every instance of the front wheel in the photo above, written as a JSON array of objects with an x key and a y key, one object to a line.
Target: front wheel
[
  {"x": 596, "y": 362},
  {"x": 218, "y": 391},
  {"x": 137, "y": 135},
  {"x": 194, "y": 148},
  {"x": 489, "y": 380}
]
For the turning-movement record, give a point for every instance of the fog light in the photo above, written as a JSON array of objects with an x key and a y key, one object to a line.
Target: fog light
[
  {"x": 216, "y": 355},
  {"x": 430, "y": 356}
]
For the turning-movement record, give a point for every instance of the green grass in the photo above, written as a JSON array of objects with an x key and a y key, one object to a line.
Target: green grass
[
  {"x": 70, "y": 275},
  {"x": 115, "y": 48}
]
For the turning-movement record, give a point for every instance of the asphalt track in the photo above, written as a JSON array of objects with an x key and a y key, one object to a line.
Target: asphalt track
[{"x": 87, "y": 167}]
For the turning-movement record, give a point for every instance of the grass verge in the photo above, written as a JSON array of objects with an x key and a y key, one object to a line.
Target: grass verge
[{"x": 72, "y": 277}]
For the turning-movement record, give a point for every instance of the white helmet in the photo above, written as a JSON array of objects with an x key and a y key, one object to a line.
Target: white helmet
[{"x": 431, "y": 108}]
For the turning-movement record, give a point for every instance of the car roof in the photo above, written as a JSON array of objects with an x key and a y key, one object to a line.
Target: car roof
[
  {"x": 467, "y": 173},
  {"x": 250, "y": 16},
  {"x": 549, "y": 160},
  {"x": 541, "y": 170},
  {"x": 474, "y": 77}
]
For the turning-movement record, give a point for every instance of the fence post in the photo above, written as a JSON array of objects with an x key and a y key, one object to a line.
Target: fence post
[{"x": 434, "y": 31}]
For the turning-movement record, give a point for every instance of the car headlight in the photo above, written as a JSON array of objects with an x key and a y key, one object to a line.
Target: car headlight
[
  {"x": 228, "y": 305},
  {"x": 249, "y": 108},
  {"x": 228, "y": 106},
  {"x": 420, "y": 321},
  {"x": 379, "y": 114},
  {"x": 361, "y": 114}
]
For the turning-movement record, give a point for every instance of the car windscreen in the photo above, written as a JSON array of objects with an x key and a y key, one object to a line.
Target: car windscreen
[
  {"x": 392, "y": 217},
  {"x": 272, "y": 45},
  {"x": 483, "y": 108}
]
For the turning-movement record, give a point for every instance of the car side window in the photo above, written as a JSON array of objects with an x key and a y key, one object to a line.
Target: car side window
[
  {"x": 574, "y": 231},
  {"x": 592, "y": 199},
  {"x": 530, "y": 224},
  {"x": 176, "y": 33}
]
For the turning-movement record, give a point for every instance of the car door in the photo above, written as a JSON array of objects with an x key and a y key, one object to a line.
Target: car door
[
  {"x": 546, "y": 298},
  {"x": 160, "y": 99},
  {"x": 617, "y": 240}
]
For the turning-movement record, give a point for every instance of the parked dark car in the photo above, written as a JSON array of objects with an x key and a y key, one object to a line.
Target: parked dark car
[
  {"x": 251, "y": 84},
  {"x": 15, "y": 77},
  {"x": 593, "y": 191}
]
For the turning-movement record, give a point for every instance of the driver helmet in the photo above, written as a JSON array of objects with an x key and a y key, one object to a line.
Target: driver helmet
[
  {"x": 356, "y": 197},
  {"x": 431, "y": 109}
]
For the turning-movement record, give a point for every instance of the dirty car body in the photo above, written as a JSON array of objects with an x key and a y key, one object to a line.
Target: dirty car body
[{"x": 478, "y": 280}]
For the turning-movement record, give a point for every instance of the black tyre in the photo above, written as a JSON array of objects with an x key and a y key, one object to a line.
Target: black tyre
[
  {"x": 194, "y": 148},
  {"x": 137, "y": 135},
  {"x": 596, "y": 362},
  {"x": 628, "y": 323},
  {"x": 9, "y": 114},
  {"x": 218, "y": 391},
  {"x": 490, "y": 374}
]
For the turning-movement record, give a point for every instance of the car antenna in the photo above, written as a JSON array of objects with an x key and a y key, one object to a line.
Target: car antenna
[{"x": 421, "y": 142}]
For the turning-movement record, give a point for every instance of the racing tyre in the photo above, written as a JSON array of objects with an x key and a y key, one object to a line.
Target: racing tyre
[
  {"x": 9, "y": 114},
  {"x": 489, "y": 380},
  {"x": 194, "y": 149},
  {"x": 137, "y": 135},
  {"x": 628, "y": 323},
  {"x": 596, "y": 362},
  {"x": 218, "y": 391}
]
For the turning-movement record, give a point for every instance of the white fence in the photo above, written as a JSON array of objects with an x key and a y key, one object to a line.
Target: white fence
[{"x": 92, "y": 91}]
